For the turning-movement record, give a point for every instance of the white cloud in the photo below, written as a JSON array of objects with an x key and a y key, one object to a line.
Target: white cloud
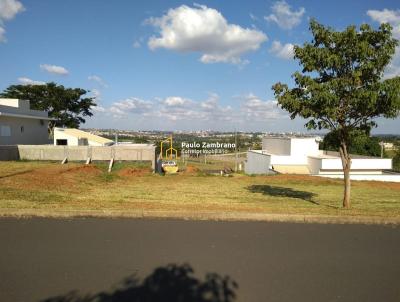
[
  {"x": 173, "y": 108},
  {"x": 392, "y": 17},
  {"x": 284, "y": 16},
  {"x": 8, "y": 10},
  {"x": 178, "y": 110},
  {"x": 189, "y": 110},
  {"x": 256, "y": 109},
  {"x": 282, "y": 51},
  {"x": 206, "y": 31},
  {"x": 98, "y": 80},
  {"x": 176, "y": 101},
  {"x": 253, "y": 17},
  {"x": 54, "y": 69},
  {"x": 136, "y": 44},
  {"x": 28, "y": 81},
  {"x": 386, "y": 16},
  {"x": 98, "y": 108},
  {"x": 130, "y": 106},
  {"x": 2, "y": 34},
  {"x": 211, "y": 103},
  {"x": 96, "y": 93}
]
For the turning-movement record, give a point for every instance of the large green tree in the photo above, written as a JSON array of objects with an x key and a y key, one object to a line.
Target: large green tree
[
  {"x": 361, "y": 143},
  {"x": 67, "y": 105},
  {"x": 341, "y": 87}
]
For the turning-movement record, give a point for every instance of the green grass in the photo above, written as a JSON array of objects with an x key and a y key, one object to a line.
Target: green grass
[{"x": 49, "y": 187}]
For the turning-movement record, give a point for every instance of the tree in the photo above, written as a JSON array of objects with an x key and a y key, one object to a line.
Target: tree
[
  {"x": 340, "y": 87},
  {"x": 66, "y": 105},
  {"x": 396, "y": 157},
  {"x": 360, "y": 143}
]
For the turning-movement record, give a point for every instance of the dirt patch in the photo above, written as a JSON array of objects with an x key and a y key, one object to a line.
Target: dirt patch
[
  {"x": 191, "y": 169},
  {"x": 60, "y": 177},
  {"x": 87, "y": 169},
  {"x": 131, "y": 172}
]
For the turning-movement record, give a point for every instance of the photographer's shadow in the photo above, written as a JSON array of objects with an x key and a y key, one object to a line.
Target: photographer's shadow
[{"x": 171, "y": 283}]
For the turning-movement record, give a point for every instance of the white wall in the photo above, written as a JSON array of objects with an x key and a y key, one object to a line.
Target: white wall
[
  {"x": 276, "y": 145},
  {"x": 9, "y": 102},
  {"x": 358, "y": 164},
  {"x": 304, "y": 146},
  {"x": 288, "y": 160},
  {"x": 34, "y": 131},
  {"x": 257, "y": 163},
  {"x": 92, "y": 143},
  {"x": 17, "y": 106},
  {"x": 298, "y": 147},
  {"x": 314, "y": 165},
  {"x": 71, "y": 140}
]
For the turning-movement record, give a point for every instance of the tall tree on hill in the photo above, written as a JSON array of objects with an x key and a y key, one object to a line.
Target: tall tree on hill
[
  {"x": 66, "y": 105},
  {"x": 341, "y": 87}
]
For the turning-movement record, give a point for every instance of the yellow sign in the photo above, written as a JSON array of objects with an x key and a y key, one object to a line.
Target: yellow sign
[{"x": 170, "y": 152}]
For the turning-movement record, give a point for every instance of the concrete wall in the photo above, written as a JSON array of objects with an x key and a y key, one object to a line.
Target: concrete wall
[
  {"x": 9, "y": 153},
  {"x": 78, "y": 153},
  {"x": 34, "y": 131},
  {"x": 257, "y": 163},
  {"x": 276, "y": 145}
]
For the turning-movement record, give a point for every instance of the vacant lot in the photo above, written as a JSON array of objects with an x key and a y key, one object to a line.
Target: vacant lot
[{"x": 40, "y": 188}]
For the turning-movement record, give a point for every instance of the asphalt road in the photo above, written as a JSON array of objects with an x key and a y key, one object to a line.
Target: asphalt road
[{"x": 46, "y": 258}]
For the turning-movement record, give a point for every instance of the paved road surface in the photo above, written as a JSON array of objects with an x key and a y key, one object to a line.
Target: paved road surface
[{"x": 44, "y": 258}]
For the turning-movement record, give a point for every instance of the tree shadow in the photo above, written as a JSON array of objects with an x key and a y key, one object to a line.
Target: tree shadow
[
  {"x": 169, "y": 283},
  {"x": 283, "y": 192}
]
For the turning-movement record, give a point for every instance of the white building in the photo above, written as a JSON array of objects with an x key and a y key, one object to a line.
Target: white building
[
  {"x": 76, "y": 137},
  {"x": 20, "y": 125},
  {"x": 301, "y": 155}
]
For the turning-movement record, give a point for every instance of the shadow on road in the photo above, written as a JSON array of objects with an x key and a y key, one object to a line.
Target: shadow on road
[
  {"x": 282, "y": 192},
  {"x": 170, "y": 283}
]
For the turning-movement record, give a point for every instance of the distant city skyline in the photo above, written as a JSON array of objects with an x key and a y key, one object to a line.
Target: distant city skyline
[{"x": 175, "y": 65}]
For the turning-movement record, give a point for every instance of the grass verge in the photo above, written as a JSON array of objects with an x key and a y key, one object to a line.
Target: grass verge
[{"x": 51, "y": 189}]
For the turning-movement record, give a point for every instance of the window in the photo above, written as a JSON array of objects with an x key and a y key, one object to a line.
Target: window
[
  {"x": 41, "y": 122},
  {"x": 5, "y": 130},
  {"x": 61, "y": 142}
]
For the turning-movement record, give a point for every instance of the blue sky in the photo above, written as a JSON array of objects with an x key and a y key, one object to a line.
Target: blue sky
[{"x": 174, "y": 65}]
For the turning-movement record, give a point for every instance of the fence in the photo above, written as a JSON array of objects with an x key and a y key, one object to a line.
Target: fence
[{"x": 137, "y": 152}]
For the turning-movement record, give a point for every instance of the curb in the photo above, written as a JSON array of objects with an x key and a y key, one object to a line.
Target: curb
[{"x": 214, "y": 216}]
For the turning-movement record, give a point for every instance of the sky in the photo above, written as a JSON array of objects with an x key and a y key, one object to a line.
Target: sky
[{"x": 175, "y": 65}]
